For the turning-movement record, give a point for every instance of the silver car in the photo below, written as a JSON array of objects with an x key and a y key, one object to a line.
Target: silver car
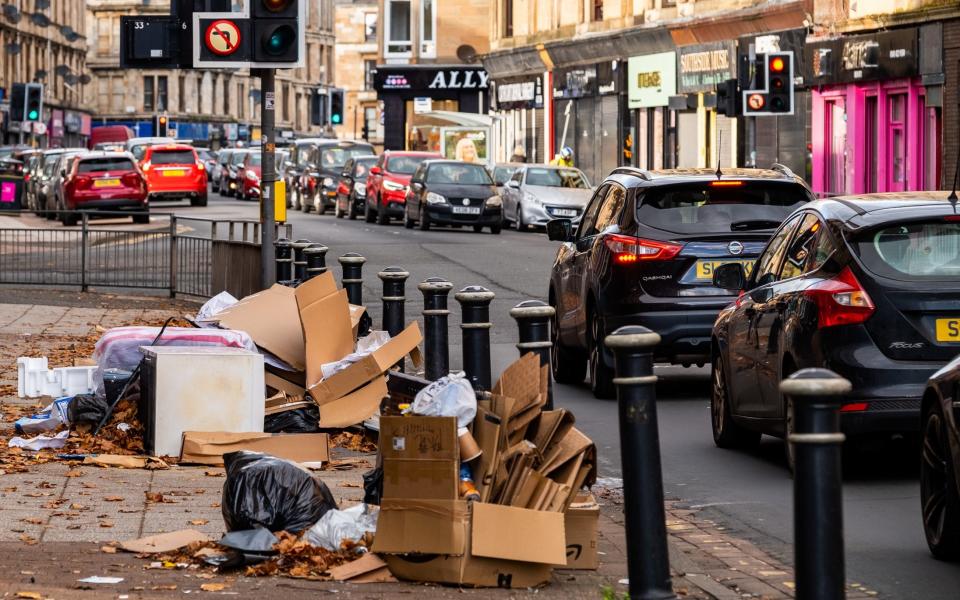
[{"x": 537, "y": 194}]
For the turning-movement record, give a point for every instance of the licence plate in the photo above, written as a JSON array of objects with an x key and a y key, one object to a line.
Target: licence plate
[
  {"x": 565, "y": 212},
  {"x": 705, "y": 268},
  {"x": 466, "y": 210},
  {"x": 948, "y": 330},
  {"x": 177, "y": 173},
  {"x": 102, "y": 183}
]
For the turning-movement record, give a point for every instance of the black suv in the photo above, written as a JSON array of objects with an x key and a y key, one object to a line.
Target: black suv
[
  {"x": 644, "y": 254},
  {"x": 314, "y": 170}
]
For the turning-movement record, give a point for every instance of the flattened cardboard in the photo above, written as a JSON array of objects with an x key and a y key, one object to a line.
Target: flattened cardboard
[
  {"x": 355, "y": 407},
  {"x": 208, "y": 447},
  {"x": 486, "y": 430},
  {"x": 164, "y": 542},
  {"x": 373, "y": 365},
  {"x": 571, "y": 444},
  {"x": 272, "y": 321},
  {"x": 581, "y": 522},
  {"x": 521, "y": 381},
  {"x": 420, "y": 458},
  {"x": 517, "y": 534},
  {"x": 422, "y": 527},
  {"x": 470, "y": 571},
  {"x": 360, "y": 570},
  {"x": 283, "y": 385},
  {"x": 326, "y": 328}
]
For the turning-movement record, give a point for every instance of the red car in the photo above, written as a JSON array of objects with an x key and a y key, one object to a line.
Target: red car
[
  {"x": 387, "y": 184},
  {"x": 107, "y": 181},
  {"x": 249, "y": 176},
  {"x": 175, "y": 172}
]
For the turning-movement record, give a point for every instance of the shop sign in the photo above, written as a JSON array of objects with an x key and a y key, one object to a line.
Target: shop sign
[
  {"x": 651, "y": 79},
  {"x": 56, "y": 124},
  {"x": 871, "y": 57},
  {"x": 522, "y": 94},
  {"x": 703, "y": 66},
  {"x": 422, "y": 79},
  {"x": 575, "y": 82},
  {"x": 422, "y": 105}
]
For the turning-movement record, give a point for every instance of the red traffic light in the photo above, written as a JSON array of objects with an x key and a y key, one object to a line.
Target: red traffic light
[
  {"x": 777, "y": 64},
  {"x": 756, "y": 101},
  {"x": 276, "y": 5}
]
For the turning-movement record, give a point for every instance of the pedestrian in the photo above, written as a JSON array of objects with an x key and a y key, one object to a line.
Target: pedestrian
[
  {"x": 564, "y": 158},
  {"x": 519, "y": 155}
]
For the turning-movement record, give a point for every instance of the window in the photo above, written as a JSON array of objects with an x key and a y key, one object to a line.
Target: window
[
  {"x": 457, "y": 173},
  {"x": 590, "y": 214},
  {"x": 226, "y": 96},
  {"x": 769, "y": 262},
  {"x": 897, "y": 167},
  {"x": 428, "y": 46},
  {"x": 404, "y": 165},
  {"x": 182, "y": 93},
  {"x": 873, "y": 147},
  {"x": 98, "y": 165},
  {"x": 612, "y": 207},
  {"x": 398, "y": 27},
  {"x": 370, "y": 122},
  {"x": 805, "y": 252},
  {"x": 563, "y": 178},
  {"x": 931, "y": 147},
  {"x": 597, "y": 10},
  {"x": 912, "y": 251},
  {"x": 507, "y": 18},
  {"x": 148, "y": 94},
  {"x": 119, "y": 94},
  {"x": 172, "y": 157},
  {"x": 370, "y": 27},
  {"x": 369, "y": 66},
  {"x": 162, "y": 104}
]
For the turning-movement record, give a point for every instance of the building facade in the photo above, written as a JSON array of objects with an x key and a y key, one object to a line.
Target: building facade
[
  {"x": 215, "y": 106},
  {"x": 356, "y": 56},
  {"x": 47, "y": 46}
]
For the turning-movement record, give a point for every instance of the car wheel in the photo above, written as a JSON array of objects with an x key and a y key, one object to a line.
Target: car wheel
[
  {"x": 495, "y": 229},
  {"x": 368, "y": 215},
  {"x": 319, "y": 204},
  {"x": 67, "y": 218},
  {"x": 567, "y": 364},
  {"x": 726, "y": 433},
  {"x": 336, "y": 209},
  {"x": 939, "y": 499},
  {"x": 222, "y": 190},
  {"x": 352, "y": 210},
  {"x": 144, "y": 218},
  {"x": 382, "y": 217},
  {"x": 202, "y": 201},
  {"x": 601, "y": 376},
  {"x": 423, "y": 224},
  {"x": 518, "y": 222},
  {"x": 477, "y": 228},
  {"x": 407, "y": 221},
  {"x": 304, "y": 205},
  {"x": 49, "y": 211},
  {"x": 789, "y": 451}
]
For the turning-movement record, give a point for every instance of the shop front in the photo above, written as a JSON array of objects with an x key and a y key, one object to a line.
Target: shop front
[
  {"x": 519, "y": 102},
  {"x": 702, "y": 136},
  {"x": 586, "y": 111},
  {"x": 405, "y": 89},
  {"x": 876, "y": 119},
  {"x": 651, "y": 81}
]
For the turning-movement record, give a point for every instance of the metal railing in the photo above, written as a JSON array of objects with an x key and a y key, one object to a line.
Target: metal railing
[{"x": 191, "y": 256}]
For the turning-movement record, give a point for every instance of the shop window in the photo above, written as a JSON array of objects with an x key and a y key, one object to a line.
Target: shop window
[
  {"x": 872, "y": 143},
  {"x": 597, "y": 10},
  {"x": 897, "y": 166},
  {"x": 398, "y": 41},
  {"x": 931, "y": 147},
  {"x": 507, "y": 18}
]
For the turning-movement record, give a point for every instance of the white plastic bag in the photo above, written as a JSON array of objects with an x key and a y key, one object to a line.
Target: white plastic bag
[
  {"x": 338, "y": 525},
  {"x": 450, "y": 396},
  {"x": 215, "y": 306},
  {"x": 47, "y": 420},
  {"x": 365, "y": 345},
  {"x": 40, "y": 442}
]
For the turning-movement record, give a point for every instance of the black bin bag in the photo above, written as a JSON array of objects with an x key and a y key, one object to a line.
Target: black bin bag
[{"x": 269, "y": 492}]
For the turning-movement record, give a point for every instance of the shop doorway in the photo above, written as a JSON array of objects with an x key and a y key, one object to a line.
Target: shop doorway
[
  {"x": 836, "y": 147},
  {"x": 897, "y": 140}
]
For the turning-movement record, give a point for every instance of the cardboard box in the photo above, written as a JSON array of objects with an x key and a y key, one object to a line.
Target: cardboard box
[
  {"x": 355, "y": 407},
  {"x": 271, "y": 320},
  {"x": 421, "y": 458},
  {"x": 325, "y": 317},
  {"x": 580, "y": 522},
  {"x": 475, "y": 544},
  {"x": 208, "y": 447}
]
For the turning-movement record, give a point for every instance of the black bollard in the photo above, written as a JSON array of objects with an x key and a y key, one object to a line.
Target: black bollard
[
  {"x": 648, "y": 563},
  {"x": 315, "y": 255},
  {"x": 436, "y": 342},
  {"x": 284, "y": 258},
  {"x": 351, "y": 264},
  {"x": 394, "y": 279},
  {"x": 815, "y": 395},
  {"x": 299, "y": 263},
  {"x": 533, "y": 323},
  {"x": 475, "y": 322}
]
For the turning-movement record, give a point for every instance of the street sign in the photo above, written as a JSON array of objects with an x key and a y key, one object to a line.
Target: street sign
[
  {"x": 40, "y": 128},
  {"x": 223, "y": 37}
]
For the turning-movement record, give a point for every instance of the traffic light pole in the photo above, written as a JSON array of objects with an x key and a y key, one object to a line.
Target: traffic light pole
[{"x": 268, "y": 177}]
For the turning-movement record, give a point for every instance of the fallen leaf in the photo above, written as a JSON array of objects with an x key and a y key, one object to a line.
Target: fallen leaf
[
  {"x": 89, "y": 485},
  {"x": 75, "y": 473},
  {"x": 73, "y": 527},
  {"x": 129, "y": 510},
  {"x": 213, "y": 587},
  {"x": 158, "y": 498},
  {"x": 26, "y": 539},
  {"x": 108, "y": 549},
  {"x": 114, "y": 498},
  {"x": 213, "y": 473},
  {"x": 348, "y": 484},
  {"x": 169, "y": 586},
  {"x": 33, "y": 521},
  {"x": 33, "y": 595},
  {"x": 106, "y": 524},
  {"x": 199, "y": 522}
]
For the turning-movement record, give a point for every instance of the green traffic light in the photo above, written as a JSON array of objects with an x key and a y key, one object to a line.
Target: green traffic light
[
  {"x": 277, "y": 42},
  {"x": 33, "y": 115},
  {"x": 336, "y": 119}
]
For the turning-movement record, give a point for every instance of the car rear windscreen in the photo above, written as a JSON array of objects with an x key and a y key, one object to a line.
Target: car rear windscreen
[
  {"x": 172, "y": 157},
  {"x": 100, "y": 165},
  {"x": 906, "y": 251},
  {"x": 719, "y": 206}
]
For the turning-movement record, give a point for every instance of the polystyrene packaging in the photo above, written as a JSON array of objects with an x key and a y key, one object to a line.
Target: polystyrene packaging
[{"x": 450, "y": 396}]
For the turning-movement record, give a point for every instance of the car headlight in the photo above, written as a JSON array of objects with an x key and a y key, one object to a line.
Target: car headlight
[
  {"x": 494, "y": 201},
  {"x": 393, "y": 185},
  {"x": 252, "y": 175},
  {"x": 528, "y": 197},
  {"x": 360, "y": 189},
  {"x": 433, "y": 198},
  {"x": 328, "y": 182}
]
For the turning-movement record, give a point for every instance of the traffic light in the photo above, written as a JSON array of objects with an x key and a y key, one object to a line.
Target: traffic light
[
  {"x": 18, "y": 102},
  {"x": 336, "y": 107},
  {"x": 773, "y": 87},
  {"x": 728, "y": 100},
  {"x": 268, "y": 34},
  {"x": 161, "y": 125},
  {"x": 276, "y": 30},
  {"x": 33, "y": 102}
]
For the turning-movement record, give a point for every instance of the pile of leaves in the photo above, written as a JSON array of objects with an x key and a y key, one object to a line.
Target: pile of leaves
[
  {"x": 111, "y": 439},
  {"x": 358, "y": 442}
]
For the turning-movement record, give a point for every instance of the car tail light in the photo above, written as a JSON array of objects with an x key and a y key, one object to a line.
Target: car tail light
[
  {"x": 81, "y": 182},
  {"x": 131, "y": 180},
  {"x": 854, "y": 407},
  {"x": 200, "y": 166},
  {"x": 146, "y": 166},
  {"x": 841, "y": 300},
  {"x": 628, "y": 249}
]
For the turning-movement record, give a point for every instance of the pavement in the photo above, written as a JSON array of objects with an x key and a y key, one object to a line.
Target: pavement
[{"x": 59, "y": 521}]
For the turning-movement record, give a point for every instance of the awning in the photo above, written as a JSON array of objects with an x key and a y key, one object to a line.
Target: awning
[
  {"x": 729, "y": 25},
  {"x": 607, "y": 46},
  {"x": 514, "y": 62}
]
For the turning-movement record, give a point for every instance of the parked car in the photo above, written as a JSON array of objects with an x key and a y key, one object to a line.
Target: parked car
[
  {"x": 502, "y": 172},
  {"x": 40, "y": 178},
  {"x": 314, "y": 169},
  {"x": 536, "y": 194},
  {"x": 216, "y": 174},
  {"x": 210, "y": 163},
  {"x": 110, "y": 134},
  {"x": 644, "y": 254},
  {"x": 109, "y": 181},
  {"x": 450, "y": 192},
  {"x": 387, "y": 184},
  {"x": 109, "y": 147},
  {"x": 939, "y": 462},
  {"x": 866, "y": 286},
  {"x": 352, "y": 191},
  {"x": 138, "y": 146},
  {"x": 52, "y": 189},
  {"x": 250, "y": 173},
  {"x": 230, "y": 173},
  {"x": 28, "y": 160},
  {"x": 174, "y": 172}
]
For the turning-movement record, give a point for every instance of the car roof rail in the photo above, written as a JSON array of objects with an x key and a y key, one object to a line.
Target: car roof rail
[
  {"x": 782, "y": 168},
  {"x": 641, "y": 173}
]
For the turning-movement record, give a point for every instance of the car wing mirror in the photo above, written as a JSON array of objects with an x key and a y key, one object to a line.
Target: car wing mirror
[
  {"x": 560, "y": 230},
  {"x": 730, "y": 276}
]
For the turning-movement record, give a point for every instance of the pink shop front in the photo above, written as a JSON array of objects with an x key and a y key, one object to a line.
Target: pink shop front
[{"x": 877, "y": 114}]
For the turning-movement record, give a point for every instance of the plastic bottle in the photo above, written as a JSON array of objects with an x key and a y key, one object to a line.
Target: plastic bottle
[{"x": 468, "y": 491}]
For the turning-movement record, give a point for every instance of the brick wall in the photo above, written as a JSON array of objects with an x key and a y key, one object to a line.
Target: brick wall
[{"x": 951, "y": 100}]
